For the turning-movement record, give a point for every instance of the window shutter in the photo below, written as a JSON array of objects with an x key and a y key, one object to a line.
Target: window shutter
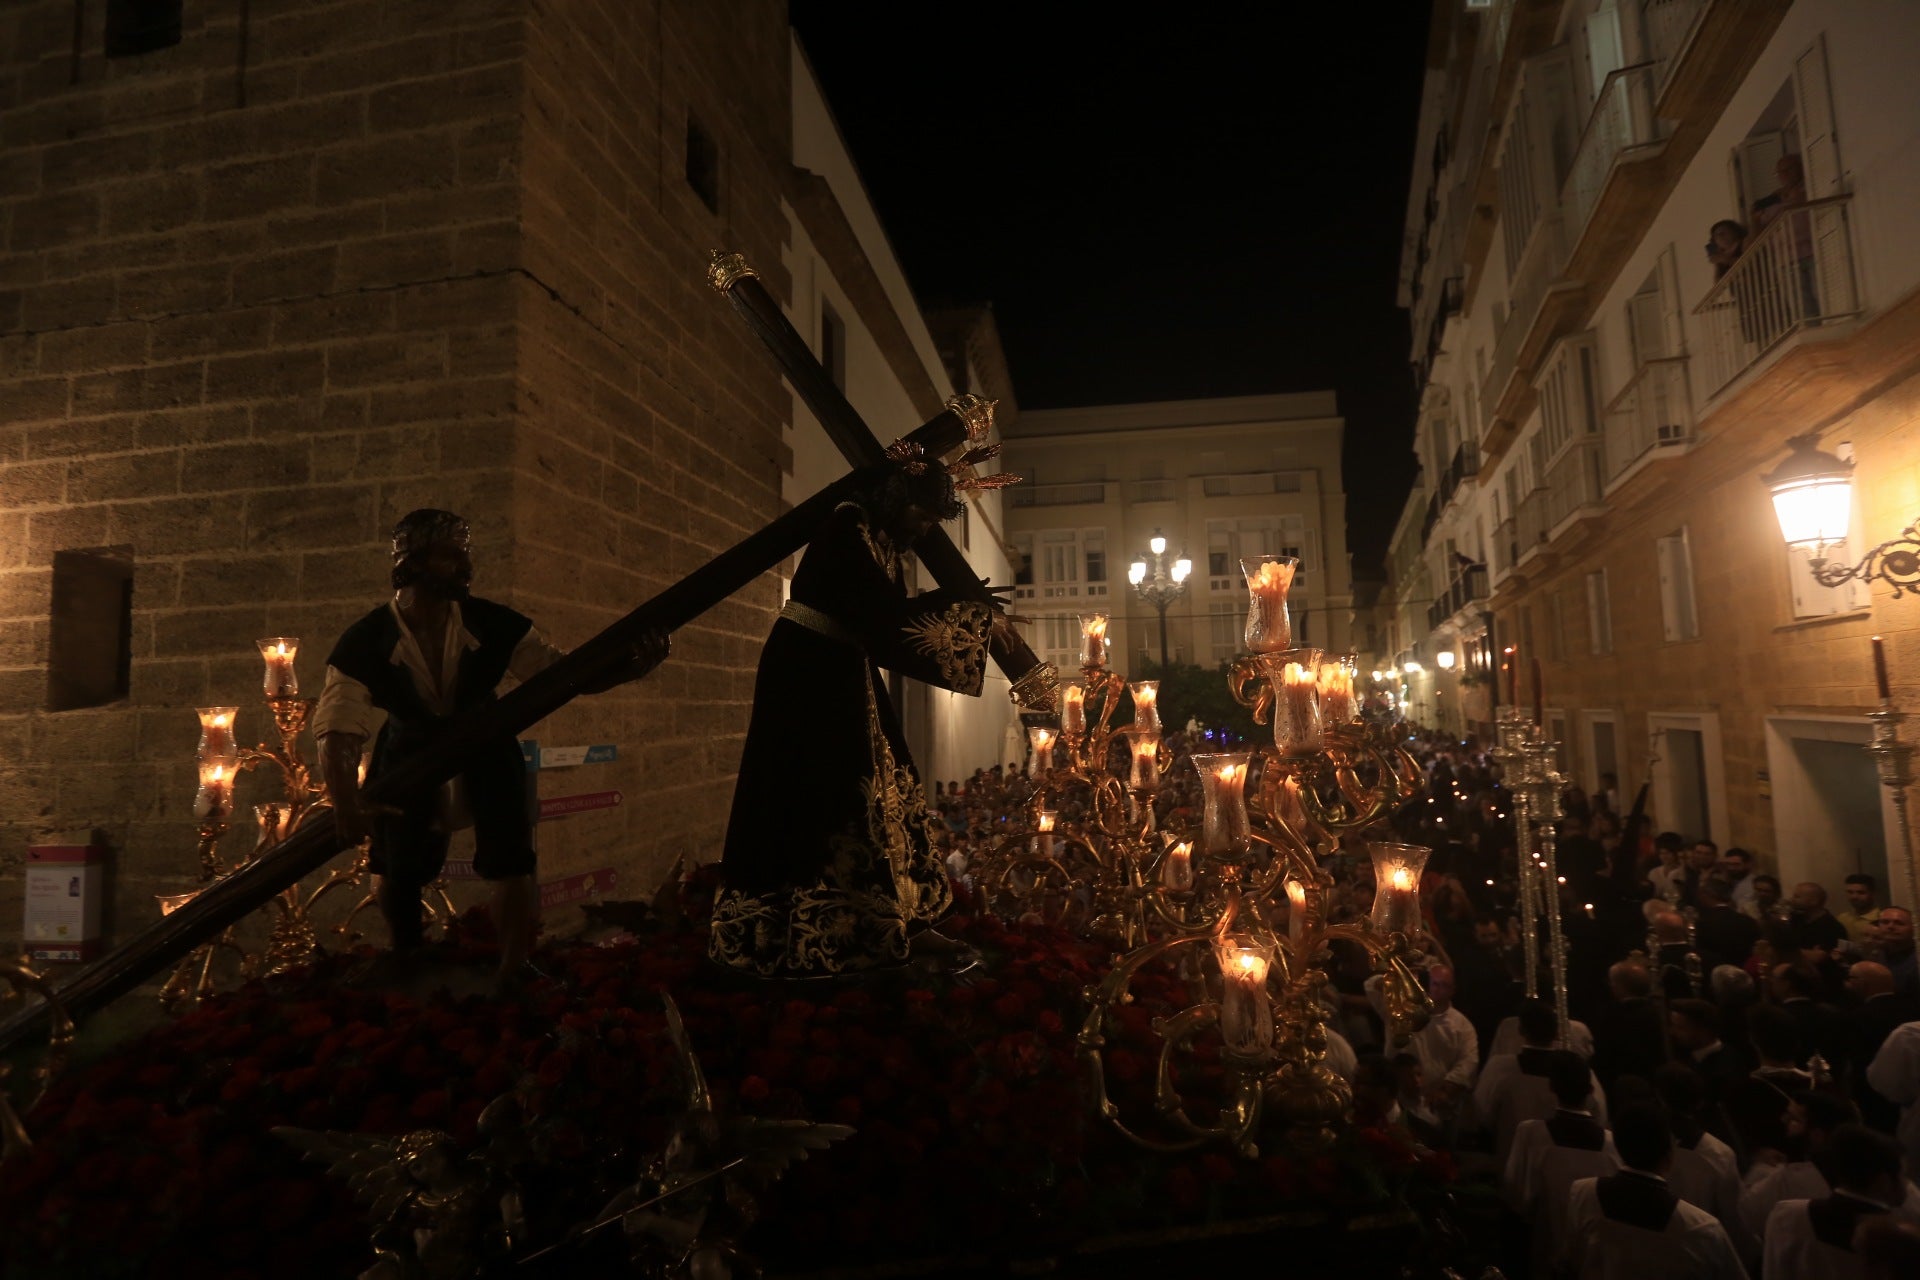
[
  {"x": 1676, "y": 587},
  {"x": 1819, "y": 147}
]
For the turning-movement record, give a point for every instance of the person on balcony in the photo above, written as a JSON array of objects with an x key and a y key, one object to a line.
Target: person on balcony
[{"x": 1791, "y": 173}]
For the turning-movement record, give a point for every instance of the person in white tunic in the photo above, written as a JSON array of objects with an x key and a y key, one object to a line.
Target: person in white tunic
[
  {"x": 1894, "y": 1074},
  {"x": 1812, "y": 1118},
  {"x": 1513, "y": 1087},
  {"x": 1550, "y": 1155},
  {"x": 1447, "y": 1047},
  {"x": 1706, "y": 1171},
  {"x": 1814, "y": 1239},
  {"x": 1631, "y": 1226}
]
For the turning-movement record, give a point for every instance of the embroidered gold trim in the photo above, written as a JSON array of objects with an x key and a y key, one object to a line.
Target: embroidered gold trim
[{"x": 956, "y": 639}]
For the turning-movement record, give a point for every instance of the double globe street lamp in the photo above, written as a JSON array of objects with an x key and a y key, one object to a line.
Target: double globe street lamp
[{"x": 1161, "y": 586}]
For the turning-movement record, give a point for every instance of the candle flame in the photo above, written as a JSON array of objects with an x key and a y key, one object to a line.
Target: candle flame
[
  {"x": 1295, "y": 674},
  {"x": 1183, "y": 850},
  {"x": 1296, "y": 893},
  {"x": 1402, "y": 878},
  {"x": 1271, "y": 576},
  {"x": 1230, "y": 772},
  {"x": 1248, "y": 962},
  {"x": 1074, "y": 693},
  {"x": 1046, "y": 819},
  {"x": 281, "y": 649},
  {"x": 1095, "y": 626}
]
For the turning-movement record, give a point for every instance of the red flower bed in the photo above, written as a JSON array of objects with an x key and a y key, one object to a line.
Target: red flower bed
[{"x": 973, "y": 1129}]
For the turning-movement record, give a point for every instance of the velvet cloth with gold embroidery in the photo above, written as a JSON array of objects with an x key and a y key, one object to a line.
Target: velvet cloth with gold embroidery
[{"x": 828, "y": 865}]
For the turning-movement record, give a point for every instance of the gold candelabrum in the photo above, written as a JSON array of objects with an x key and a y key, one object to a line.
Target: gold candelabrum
[
  {"x": 292, "y": 939},
  {"x": 1529, "y": 762},
  {"x": 21, "y": 982},
  {"x": 1243, "y": 906}
]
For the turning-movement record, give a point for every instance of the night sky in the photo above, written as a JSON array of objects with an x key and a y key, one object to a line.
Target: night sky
[{"x": 1208, "y": 202}]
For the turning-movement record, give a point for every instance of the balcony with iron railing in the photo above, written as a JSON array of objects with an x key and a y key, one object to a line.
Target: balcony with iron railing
[
  {"x": 1150, "y": 491},
  {"x": 1506, "y": 548},
  {"x": 1533, "y": 278},
  {"x": 1796, "y": 275},
  {"x": 1574, "y": 484},
  {"x": 1652, "y": 415},
  {"x": 1621, "y": 127},
  {"x": 1469, "y": 587},
  {"x": 1531, "y": 525}
]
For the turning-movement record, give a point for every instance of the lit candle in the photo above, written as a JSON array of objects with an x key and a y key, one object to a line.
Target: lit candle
[
  {"x": 1296, "y": 910},
  {"x": 1336, "y": 692},
  {"x": 1177, "y": 875},
  {"x": 1396, "y": 892},
  {"x": 1043, "y": 829},
  {"x": 1073, "y": 708},
  {"x": 1296, "y": 710},
  {"x": 1269, "y": 578},
  {"x": 1880, "y": 669},
  {"x": 216, "y": 734},
  {"x": 1093, "y": 633},
  {"x": 1513, "y": 677},
  {"x": 1146, "y": 714},
  {"x": 1288, "y": 807},
  {"x": 279, "y": 652},
  {"x": 1246, "y": 1013},
  {"x": 1041, "y": 739},
  {"x": 1146, "y": 759},
  {"x": 1223, "y": 782},
  {"x": 216, "y": 790}
]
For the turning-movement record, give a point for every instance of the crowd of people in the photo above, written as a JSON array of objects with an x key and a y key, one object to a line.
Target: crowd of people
[{"x": 1735, "y": 1088}]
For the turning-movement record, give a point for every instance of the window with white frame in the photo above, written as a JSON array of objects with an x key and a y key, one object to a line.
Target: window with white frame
[
  {"x": 1057, "y": 637},
  {"x": 1228, "y": 541},
  {"x": 1569, "y": 397},
  {"x": 1069, "y": 563},
  {"x": 1810, "y": 599},
  {"x": 1599, "y": 614},
  {"x": 1226, "y": 621},
  {"x": 1678, "y": 611}
]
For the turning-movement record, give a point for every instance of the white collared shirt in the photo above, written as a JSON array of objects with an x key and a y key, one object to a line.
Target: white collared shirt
[{"x": 1693, "y": 1247}]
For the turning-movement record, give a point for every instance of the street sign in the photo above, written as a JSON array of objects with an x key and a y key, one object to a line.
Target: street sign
[
  {"x": 555, "y": 893},
  {"x": 561, "y": 806},
  {"x": 567, "y": 757}
]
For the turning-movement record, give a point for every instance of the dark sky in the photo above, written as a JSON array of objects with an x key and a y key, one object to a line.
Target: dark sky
[{"x": 1160, "y": 201}]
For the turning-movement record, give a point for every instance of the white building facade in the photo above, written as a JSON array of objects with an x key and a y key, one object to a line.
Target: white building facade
[
  {"x": 1219, "y": 479},
  {"x": 1599, "y": 397}
]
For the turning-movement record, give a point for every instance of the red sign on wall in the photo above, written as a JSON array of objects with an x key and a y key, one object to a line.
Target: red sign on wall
[
  {"x": 557, "y": 893},
  {"x": 561, "y": 806}
]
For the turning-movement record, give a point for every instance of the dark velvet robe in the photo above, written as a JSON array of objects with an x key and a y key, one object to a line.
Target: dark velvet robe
[{"x": 828, "y": 864}]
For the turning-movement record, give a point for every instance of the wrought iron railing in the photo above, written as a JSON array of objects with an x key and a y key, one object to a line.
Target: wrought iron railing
[
  {"x": 1468, "y": 587},
  {"x": 1622, "y": 119},
  {"x": 1796, "y": 274},
  {"x": 1539, "y": 264},
  {"x": 1532, "y": 524},
  {"x": 1653, "y": 411},
  {"x": 1506, "y": 548}
]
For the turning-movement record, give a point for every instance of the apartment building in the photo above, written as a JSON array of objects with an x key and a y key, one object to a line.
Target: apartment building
[
  {"x": 1218, "y": 479},
  {"x": 1603, "y": 389}
]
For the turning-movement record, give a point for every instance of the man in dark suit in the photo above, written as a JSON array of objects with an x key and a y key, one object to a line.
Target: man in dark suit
[
  {"x": 1822, "y": 1029},
  {"x": 1724, "y": 935},
  {"x": 1695, "y": 1028},
  {"x": 1629, "y": 1034},
  {"x": 1869, "y": 1022}
]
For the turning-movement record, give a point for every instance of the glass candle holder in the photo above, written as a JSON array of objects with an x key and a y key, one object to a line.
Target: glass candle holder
[
  {"x": 273, "y": 817},
  {"x": 1269, "y": 578},
  {"x": 279, "y": 652},
  {"x": 215, "y": 797},
  {"x": 1223, "y": 792},
  {"x": 1073, "y": 708},
  {"x": 1146, "y": 759},
  {"x": 1043, "y": 824},
  {"x": 1246, "y": 1011},
  {"x": 1335, "y": 679},
  {"x": 216, "y": 735},
  {"x": 1177, "y": 871},
  {"x": 1146, "y": 708},
  {"x": 172, "y": 902},
  {"x": 1041, "y": 739},
  {"x": 1396, "y": 886},
  {"x": 1093, "y": 639},
  {"x": 1295, "y": 677}
]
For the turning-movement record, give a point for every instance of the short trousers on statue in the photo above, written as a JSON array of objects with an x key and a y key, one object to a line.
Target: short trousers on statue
[{"x": 416, "y": 854}]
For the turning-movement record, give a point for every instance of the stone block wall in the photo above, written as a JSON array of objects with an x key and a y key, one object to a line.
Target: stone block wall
[{"x": 263, "y": 292}]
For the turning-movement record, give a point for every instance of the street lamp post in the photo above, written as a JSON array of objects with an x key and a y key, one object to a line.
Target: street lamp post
[{"x": 1160, "y": 587}]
